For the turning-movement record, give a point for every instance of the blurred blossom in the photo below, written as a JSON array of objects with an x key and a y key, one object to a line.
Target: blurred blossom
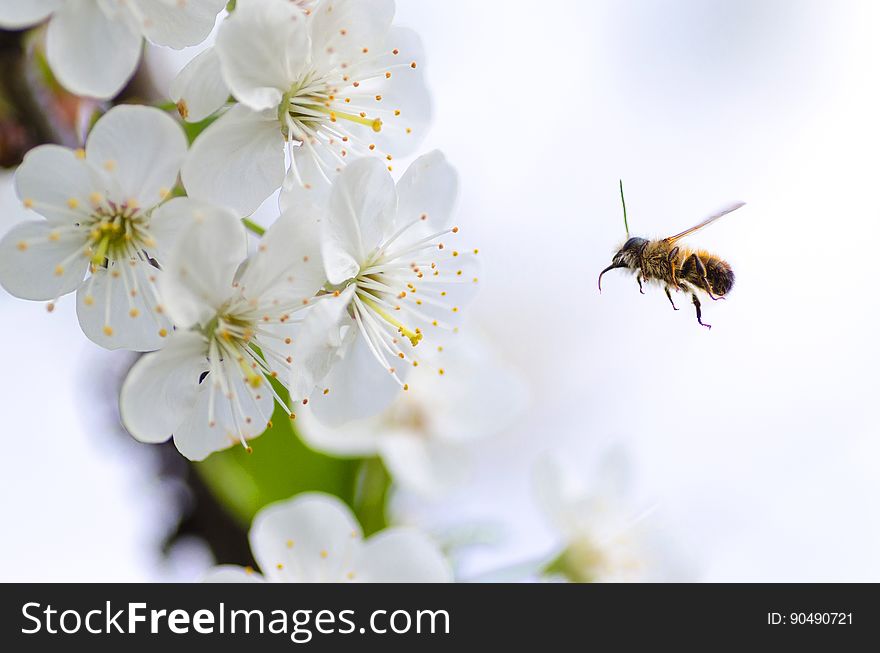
[
  {"x": 314, "y": 538},
  {"x": 603, "y": 535},
  {"x": 93, "y": 47},
  {"x": 425, "y": 436}
]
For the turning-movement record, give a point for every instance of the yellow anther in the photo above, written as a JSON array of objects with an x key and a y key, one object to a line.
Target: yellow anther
[
  {"x": 79, "y": 153},
  {"x": 59, "y": 270},
  {"x": 28, "y": 203},
  {"x": 163, "y": 333},
  {"x": 22, "y": 246},
  {"x": 73, "y": 202},
  {"x": 108, "y": 330},
  {"x": 134, "y": 312}
]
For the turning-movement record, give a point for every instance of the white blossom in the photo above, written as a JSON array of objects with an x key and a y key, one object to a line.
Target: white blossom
[
  {"x": 319, "y": 87},
  {"x": 98, "y": 206},
  {"x": 397, "y": 283},
  {"x": 425, "y": 436},
  {"x": 93, "y": 46},
  {"x": 209, "y": 387},
  {"x": 605, "y": 536},
  {"x": 315, "y": 538}
]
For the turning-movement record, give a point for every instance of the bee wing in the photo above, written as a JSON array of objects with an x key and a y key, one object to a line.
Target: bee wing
[{"x": 705, "y": 223}]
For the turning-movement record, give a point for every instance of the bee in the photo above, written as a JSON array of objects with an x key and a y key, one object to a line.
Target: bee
[{"x": 675, "y": 266}]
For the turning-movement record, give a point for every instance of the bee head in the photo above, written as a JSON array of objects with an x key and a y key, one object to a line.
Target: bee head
[{"x": 627, "y": 256}]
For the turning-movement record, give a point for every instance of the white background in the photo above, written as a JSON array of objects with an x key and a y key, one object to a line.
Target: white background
[{"x": 757, "y": 440}]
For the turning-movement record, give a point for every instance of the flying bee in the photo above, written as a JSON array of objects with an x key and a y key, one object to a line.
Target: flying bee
[{"x": 674, "y": 266}]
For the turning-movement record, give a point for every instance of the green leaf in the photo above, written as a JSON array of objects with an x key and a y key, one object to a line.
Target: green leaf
[{"x": 280, "y": 466}]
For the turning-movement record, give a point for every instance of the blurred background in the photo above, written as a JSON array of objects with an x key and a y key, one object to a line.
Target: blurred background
[{"x": 755, "y": 444}]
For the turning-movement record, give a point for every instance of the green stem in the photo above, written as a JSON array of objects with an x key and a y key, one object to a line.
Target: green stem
[{"x": 253, "y": 226}]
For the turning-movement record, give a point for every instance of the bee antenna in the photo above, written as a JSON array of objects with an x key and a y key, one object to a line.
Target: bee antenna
[{"x": 623, "y": 202}]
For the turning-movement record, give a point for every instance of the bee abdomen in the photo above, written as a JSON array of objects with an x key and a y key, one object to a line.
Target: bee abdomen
[{"x": 719, "y": 274}]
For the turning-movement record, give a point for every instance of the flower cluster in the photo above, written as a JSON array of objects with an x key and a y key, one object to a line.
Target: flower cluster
[
  {"x": 346, "y": 300},
  {"x": 342, "y": 314}
]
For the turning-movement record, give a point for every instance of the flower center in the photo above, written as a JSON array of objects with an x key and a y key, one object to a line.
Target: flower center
[
  {"x": 117, "y": 231},
  {"x": 312, "y": 103},
  {"x": 229, "y": 336}
]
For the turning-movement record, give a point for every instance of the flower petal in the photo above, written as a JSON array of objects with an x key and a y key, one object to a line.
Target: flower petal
[
  {"x": 263, "y": 48},
  {"x": 238, "y": 161},
  {"x": 405, "y": 97},
  {"x": 309, "y": 538},
  {"x": 342, "y": 29},
  {"x": 242, "y": 416},
  {"x": 232, "y": 574},
  {"x": 325, "y": 337},
  {"x": 202, "y": 263},
  {"x": 199, "y": 89},
  {"x": 159, "y": 392},
  {"x": 36, "y": 264},
  {"x": 178, "y": 24},
  {"x": 422, "y": 465},
  {"x": 15, "y": 14},
  {"x": 90, "y": 53},
  {"x": 287, "y": 265},
  {"x": 49, "y": 177},
  {"x": 402, "y": 555},
  {"x": 142, "y": 149},
  {"x": 116, "y": 308},
  {"x": 358, "y": 439},
  {"x": 363, "y": 206},
  {"x": 428, "y": 188},
  {"x": 359, "y": 386}
]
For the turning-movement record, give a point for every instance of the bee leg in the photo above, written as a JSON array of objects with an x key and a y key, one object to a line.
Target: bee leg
[
  {"x": 639, "y": 279},
  {"x": 696, "y": 301},
  {"x": 673, "y": 255},
  {"x": 701, "y": 271},
  {"x": 669, "y": 297}
]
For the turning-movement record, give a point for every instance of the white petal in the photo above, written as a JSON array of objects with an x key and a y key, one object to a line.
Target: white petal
[
  {"x": 402, "y": 555},
  {"x": 405, "y": 92},
  {"x": 49, "y": 177},
  {"x": 169, "y": 219},
  {"x": 114, "y": 318},
  {"x": 232, "y": 574},
  {"x": 245, "y": 415},
  {"x": 142, "y": 149},
  {"x": 429, "y": 187},
  {"x": 238, "y": 161},
  {"x": 425, "y": 466},
  {"x": 15, "y": 14},
  {"x": 202, "y": 263},
  {"x": 359, "y": 386},
  {"x": 358, "y": 439},
  {"x": 178, "y": 24},
  {"x": 341, "y": 29},
  {"x": 35, "y": 266},
  {"x": 324, "y": 339},
  {"x": 263, "y": 48},
  {"x": 199, "y": 89},
  {"x": 363, "y": 205},
  {"x": 159, "y": 392},
  {"x": 287, "y": 265},
  {"x": 311, "y": 537},
  {"x": 90, "y": 53},
  {"x": 478, "y": 395},
  {"x": 311, "y": 174}
]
